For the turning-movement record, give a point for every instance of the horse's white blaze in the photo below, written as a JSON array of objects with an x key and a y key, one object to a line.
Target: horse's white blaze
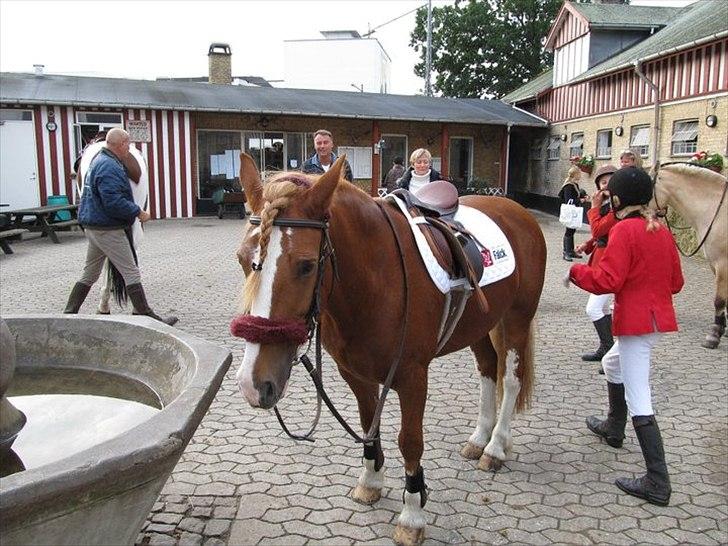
[
  {"x": 412, "y": 514},
  {"x": 261, "y": 307},
  {"x": 370, "y": 477},
  {"x": 501, "y": 439},
  {"x": 487, "y": 413}
]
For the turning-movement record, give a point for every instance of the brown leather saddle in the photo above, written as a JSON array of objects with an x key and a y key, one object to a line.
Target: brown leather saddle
[{"x": 453, "y": 246}]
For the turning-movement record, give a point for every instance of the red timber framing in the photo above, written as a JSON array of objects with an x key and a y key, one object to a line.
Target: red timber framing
[
  {"x": 699, "y": 71},
  {"x": 376, "y": 158},
  {"x": 445, "y": 147}
]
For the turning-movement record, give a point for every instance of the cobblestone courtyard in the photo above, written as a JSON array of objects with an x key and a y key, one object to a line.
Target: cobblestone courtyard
[{"x": 241, "y": 481}]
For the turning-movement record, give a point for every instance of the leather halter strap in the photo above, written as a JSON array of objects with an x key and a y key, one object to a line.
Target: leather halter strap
[{"x": 294, "y": 222}]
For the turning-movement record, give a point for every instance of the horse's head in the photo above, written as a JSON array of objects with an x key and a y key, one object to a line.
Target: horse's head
[{"x": 281, "y": 255}]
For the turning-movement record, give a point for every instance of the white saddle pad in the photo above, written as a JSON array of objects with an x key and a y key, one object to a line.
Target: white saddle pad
[{"x": 498, "y": 259}]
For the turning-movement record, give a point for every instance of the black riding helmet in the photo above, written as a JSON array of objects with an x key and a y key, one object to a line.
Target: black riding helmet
[{"x": 629, "y": 186}]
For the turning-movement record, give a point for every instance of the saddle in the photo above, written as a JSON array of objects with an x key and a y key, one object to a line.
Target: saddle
[{"x": 453, "y": 246}]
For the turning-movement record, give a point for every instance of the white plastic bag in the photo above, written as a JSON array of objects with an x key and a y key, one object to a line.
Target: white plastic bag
[{"x": 570, "y": 215}]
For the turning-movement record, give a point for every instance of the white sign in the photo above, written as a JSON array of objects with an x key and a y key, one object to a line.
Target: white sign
[{"x": 140, "y": 130}]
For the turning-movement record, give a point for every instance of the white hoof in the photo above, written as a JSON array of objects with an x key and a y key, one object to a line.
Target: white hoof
[
  {"x": 366, "y": 495},
  {"x": 408, "y": 536},
  {"x": 471, "y": 452}
]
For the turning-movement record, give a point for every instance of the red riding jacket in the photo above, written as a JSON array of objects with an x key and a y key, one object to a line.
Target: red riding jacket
[
  {"x": 600, "y": 226},
  {"x": 642, "y": 269}
]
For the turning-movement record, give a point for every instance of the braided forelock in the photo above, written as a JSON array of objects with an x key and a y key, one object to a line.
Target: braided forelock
[{"x": 277, "y": 195}]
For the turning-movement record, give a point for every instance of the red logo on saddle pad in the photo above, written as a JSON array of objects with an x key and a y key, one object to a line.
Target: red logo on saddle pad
[{"x": 487, "y": 258}]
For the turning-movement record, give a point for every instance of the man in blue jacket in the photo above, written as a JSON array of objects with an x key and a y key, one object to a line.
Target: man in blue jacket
[
  {"x": 107, "y": 211},
  {"x": 324, "y": 157}
]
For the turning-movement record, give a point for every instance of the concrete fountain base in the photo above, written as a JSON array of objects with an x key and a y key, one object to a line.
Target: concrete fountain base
[{"x": 103, "y": 494}]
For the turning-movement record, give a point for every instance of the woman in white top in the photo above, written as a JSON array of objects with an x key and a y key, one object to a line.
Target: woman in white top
[{"x": 420, "y": 171}]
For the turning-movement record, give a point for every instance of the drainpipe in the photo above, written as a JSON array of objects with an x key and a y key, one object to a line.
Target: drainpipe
[
  {"x": 656, "y": 132},
  {"x": 507, "y": 159}
]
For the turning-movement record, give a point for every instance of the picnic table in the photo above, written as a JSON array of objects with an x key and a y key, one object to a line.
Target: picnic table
[{"x": 39, "y": 219}]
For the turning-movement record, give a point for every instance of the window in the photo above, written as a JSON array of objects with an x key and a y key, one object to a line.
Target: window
[
  {"x": 639, "y": 141},
  {"x": 392, "y": 146},
  {"x": 12, "y": 114},
  {"x": 604, "y": 143},
  {"x": 461, "y": 159},
  {"x": 554, "y": 148},
  {"x": 218, "y": 161},
  {"x": 90, "y": 124},
  {"x": 576, "y": 147},
  {"x": 537, "y": 149},
  {"x": 360, "y": 159},
  {"x": 685, "y": 137}
]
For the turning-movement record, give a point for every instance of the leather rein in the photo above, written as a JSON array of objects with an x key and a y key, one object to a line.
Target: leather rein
[
  {"x": 667, "y": 221},
  {"x": 313, "y": 323}
]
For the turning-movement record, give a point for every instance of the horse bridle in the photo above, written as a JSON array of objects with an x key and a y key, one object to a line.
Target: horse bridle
[
  {"x": 313, "y": 322},
  {"x": 667, "y": 221}
]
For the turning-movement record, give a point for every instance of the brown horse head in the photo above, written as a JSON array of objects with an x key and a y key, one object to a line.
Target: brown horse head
[{"x": 281, "y": 266}]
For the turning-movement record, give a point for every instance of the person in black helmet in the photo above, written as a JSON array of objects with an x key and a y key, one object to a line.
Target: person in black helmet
[{"x": 641, "y": 267}]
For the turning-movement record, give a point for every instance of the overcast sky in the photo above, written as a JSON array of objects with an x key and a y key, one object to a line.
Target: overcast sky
[{"x": 150, "y": 39}]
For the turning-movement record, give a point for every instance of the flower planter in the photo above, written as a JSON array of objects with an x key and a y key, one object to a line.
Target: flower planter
[{"x": 586, "y": 168}]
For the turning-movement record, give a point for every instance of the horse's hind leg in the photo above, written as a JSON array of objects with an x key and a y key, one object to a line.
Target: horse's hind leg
[
  {"x": 515, "y": 347},
  {"x": 104, "y": 308},
  {"x": 486, "y": 360},
  {"x": 718, "y": 328},
  {"x": 368, "y": 489}
]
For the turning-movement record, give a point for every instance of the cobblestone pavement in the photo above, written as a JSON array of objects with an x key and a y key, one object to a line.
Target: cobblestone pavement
[{"x": 241, "y": 481}]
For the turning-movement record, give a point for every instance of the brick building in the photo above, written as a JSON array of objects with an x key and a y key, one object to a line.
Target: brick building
[
  {"x": 654, "y": 79},
  {"x": 192, "y": 132}
]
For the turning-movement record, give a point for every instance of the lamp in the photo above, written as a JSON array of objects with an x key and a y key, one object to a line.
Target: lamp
[
  {"x": 563, "y": 137},
  {"x": 711, "y": 120}
]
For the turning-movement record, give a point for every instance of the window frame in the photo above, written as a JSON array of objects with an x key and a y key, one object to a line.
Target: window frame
[
  {"x": 608, "y": 153},
  {"x": 684, "y": 146},
  {"x": 550, "y": 155},
  {"x": 537, "y": 147},
  {"x": 471, "y": 156},
  {"x": 580, "y": 147},
  {"x": 643, "y": 150}
]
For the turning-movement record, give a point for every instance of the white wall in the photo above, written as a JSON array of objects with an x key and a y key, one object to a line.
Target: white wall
[{"x": 336, "y": 65}]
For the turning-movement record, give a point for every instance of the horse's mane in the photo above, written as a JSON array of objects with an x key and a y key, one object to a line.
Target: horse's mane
[{"x": 693, "y": 171}]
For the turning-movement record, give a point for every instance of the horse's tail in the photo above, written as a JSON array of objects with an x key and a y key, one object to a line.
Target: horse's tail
[
  {"x": 117, "y": 286},
  {"x": 525, "y": 370}
]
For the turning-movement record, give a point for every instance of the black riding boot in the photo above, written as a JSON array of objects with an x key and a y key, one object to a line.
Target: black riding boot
[
  {"x": 654, "y": 487},
  {"x": 603, "y": 327},
  {"x": 141, "y": 307},
  {"x": 569, "y": 253},
  {"x": 77, "y": 297},
  {"x": 611, "y": 428}
]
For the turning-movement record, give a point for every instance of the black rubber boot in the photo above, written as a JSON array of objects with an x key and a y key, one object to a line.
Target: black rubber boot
[
  {"x": 77, "y": 297},
  {"x": 611, "y": 428},
  {"x": 654, "y": 487},
  {"x": 141, "y": 307},
  {"x": 603, "y": 326},
  {"x": 568, "y": 247}
]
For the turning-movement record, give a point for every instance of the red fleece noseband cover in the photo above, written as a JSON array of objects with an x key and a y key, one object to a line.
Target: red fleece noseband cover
[{"x": 268, "y": 331}]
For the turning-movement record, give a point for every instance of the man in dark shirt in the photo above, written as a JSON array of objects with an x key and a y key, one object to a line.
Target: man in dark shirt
[{"x": 324, "y": 157}]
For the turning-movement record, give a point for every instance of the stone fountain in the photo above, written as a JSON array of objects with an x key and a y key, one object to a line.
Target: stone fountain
[{"x": 93, "y": 480}]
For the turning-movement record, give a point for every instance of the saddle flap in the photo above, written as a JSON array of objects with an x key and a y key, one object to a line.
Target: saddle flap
[{"x": 439, "y": 198}]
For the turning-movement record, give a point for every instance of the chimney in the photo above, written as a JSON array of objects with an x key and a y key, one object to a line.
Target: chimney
[
  {"x": 219, "y": 61},
  {"x": 38, "y": 69}
]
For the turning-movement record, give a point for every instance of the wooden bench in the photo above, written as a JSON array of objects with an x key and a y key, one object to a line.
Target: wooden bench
[
  {"x": 65, "y": 223},
  {"x": 9, "y": 234}
]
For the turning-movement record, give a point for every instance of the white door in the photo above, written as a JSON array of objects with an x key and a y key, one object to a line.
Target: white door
[{"x": 18, "y": 178}]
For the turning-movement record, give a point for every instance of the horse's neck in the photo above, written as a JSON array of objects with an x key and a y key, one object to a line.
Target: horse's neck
[{"x": 694, "y": 199}]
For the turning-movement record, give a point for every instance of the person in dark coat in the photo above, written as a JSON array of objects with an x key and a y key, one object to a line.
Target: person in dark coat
[
  {"x": 420, "y": 171},
  {"x": 324, "y": 157},
  {"x": 107, "y": 212},
  {"x": 641, "y": 267},
  {"x": 570, "y": 192},
  {"x": 394, "y": 174}
]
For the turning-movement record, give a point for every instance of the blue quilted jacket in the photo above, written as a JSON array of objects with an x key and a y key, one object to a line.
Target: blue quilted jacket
[{"x": 107, "y": 201}]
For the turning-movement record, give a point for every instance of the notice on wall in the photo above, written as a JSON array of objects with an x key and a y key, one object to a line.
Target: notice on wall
[{"x": 140, "y": 130}]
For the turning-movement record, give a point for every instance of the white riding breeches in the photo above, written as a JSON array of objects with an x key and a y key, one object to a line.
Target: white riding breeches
[
  {"x": 628, "y": 362},
  {"x": 598, "y": 305}
]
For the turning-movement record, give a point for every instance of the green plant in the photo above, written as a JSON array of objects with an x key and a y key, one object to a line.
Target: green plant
[
  {"x": 583, "y": 161},
  {"x": 706, "y": 159}
]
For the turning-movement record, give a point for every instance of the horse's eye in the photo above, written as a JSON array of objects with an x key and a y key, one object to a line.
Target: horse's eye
[{"x": 305, "y": 267}]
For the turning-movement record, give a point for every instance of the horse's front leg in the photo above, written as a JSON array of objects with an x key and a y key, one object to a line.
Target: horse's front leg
[
  {"x": 718, "y": 328},
  {"x": 368, "y": 489},
  {"x": 104, "y": 308},
  {"x": 411, "y": 524}
]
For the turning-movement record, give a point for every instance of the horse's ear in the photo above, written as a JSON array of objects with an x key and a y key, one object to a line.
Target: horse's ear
[
  {"x": 321, "y": 193},
  {"x": 250, "y": 179}
]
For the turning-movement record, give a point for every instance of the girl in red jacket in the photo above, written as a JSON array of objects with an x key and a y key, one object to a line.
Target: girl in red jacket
[
  {"x": 641, "y": 267},
  {"x": 601, "y": 219}
]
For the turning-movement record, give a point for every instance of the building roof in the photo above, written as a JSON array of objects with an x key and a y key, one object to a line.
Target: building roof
[
  {"x": 688, "y": 27},
  {"x": 625, "y": 16},
  {"x": 699, "y": 22},
  {"x": 532, "y": 88},
  {"x": 20, "y": 88}
]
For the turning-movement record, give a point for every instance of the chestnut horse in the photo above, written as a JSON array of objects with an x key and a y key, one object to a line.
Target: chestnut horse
[
  {"x": 698, "y": 195},
  {"x": 364, "y": 316}
]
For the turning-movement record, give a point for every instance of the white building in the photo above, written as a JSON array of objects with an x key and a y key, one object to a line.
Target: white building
[{"x": 341, "y": 61}]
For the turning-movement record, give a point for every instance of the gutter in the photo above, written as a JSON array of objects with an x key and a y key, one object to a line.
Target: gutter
[
  {"x": 656, "y": 133},
  {"x": 662, "y": 53}
]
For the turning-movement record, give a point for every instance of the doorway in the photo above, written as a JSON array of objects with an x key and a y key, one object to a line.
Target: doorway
[
  {"x": 18, "y": 163},
  {"x": 393, "y": 146}
]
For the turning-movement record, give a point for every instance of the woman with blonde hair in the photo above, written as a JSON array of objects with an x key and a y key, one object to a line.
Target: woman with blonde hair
[
  {"x": 420, "y": 171},
  {"x": 628, "y": 158},
  {"x": 571, "y": 192}
]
